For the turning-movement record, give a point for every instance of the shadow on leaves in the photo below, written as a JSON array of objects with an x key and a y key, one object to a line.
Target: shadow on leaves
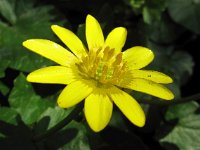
[
  {"x": 60, "y": 139},
  {"x": 197, "y": 112},
  {"x": 15, "y": 137},
  {"x": 166, "y": 128},
  {"x": 169, "y": 146},
  {"x": 42, "y": 125}
]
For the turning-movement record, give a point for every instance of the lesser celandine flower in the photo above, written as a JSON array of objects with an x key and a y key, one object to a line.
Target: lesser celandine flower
[{"x": 97, "y": 73}]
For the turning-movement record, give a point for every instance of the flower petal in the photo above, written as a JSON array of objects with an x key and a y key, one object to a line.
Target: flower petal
[
  {"x": 50, "y": 50},
  {"x": 53, "y": 74},
  {"x": 94, "y": 34},
  {"x": 116, "y": 38},
  {"x": 129, "y": 106},
  {"x": 98, "y": 110},
  {"x": 70, "y": 40},
  {"x": 138, "y": 57},
  {"x": 154, "y": 76},
  {"x": 148, "y": 87},
  {"x": 75, "y": 92}
]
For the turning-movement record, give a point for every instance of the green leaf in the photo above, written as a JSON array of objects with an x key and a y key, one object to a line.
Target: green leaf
[
  {"x": 151, "y": 10},
  {"x": 186, "y": 13},
  {"x": 26, "y": 102},
  {"x": 49, "y": 118},
  {"x": 3, "y": 64},
  {"x": 7, "y": 10},
  {"x": 181, "y": 64},
  {"x": 151, "y": 15},
  {"x": 72, "y": 136},
  {"x": 32, "y": 22},
  {"x": 8, "y": 115},
  {"x": 3, "y": 88},
  {"x": 164, "y": 31},
  {"x": 136, "y": 3},
  {"x": 185, "y": 134}
]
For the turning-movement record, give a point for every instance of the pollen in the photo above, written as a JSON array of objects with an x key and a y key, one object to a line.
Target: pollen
[{"x": 103, "y": 65}]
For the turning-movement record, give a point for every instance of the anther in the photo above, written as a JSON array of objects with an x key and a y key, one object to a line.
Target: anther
[
  {"x": 105, "y": 54},
  {"x": 118, "y": 60}
]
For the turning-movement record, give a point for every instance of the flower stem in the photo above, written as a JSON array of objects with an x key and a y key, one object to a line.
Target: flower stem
[
  {"x": 74, "y": 113},
  {"x": 194, "y": 97}
]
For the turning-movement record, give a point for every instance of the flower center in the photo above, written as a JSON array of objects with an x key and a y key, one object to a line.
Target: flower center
[{"x": 103, "y": 65}]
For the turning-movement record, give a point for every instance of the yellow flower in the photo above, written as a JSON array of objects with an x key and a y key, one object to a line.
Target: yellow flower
[{"x": 98, "y": 73}]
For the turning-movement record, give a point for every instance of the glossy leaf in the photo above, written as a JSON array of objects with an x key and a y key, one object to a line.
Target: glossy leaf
[
  {"x": 26, "y": 102},
  {"x": 8, "y": 115},
  {"x": 186, "y": 131},
  {"x": 185, "y": 12},
  {"x": 7, "y": 10},
  {"x": 3, "y": 88},
  {"x": 31, "y": 22}
]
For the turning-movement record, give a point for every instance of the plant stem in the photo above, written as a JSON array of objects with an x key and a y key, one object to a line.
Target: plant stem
[
  {"x": 74, "y": 113},
  {"x": 194, "y": 97}
]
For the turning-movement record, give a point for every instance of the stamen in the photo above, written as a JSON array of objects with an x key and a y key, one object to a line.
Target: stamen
[
  {"x": 111, "y": 53},
  {"x": 116, "y": 72},
  {"x": 104, "y": 74},
  {"x": 105, "y": 54},
  {"x": 118, "y": 59},
  {"x": 98, "y": 51},
  {"x": 103, "y": 65},
  {"x": 95, "y": 65}
]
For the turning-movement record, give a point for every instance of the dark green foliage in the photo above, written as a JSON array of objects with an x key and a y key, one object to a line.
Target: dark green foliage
[{"x": 168, "y": 27}]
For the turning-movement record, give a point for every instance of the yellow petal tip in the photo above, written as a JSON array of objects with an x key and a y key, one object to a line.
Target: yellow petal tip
[
  {"x": 23, "y": 43},
  {"x": 170, "y": 80},
  {"x": 140, "y": 122},
  {"x": 61, "y": 104},
  {"x": 89, "y": 16},
  {"x": 169, "y": 97},
  {"x": 26, "y": 43},
  {"x": 96, "y": 130},
  {"x": 123, "y": 29},
  {"x": 31, "y": 77},
  {"x": 28, "y": 78},
  {"x": 54, "y": 27}
]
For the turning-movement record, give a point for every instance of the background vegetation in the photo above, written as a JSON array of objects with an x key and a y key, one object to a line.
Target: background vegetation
[{"x": 171, "y": 28}]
